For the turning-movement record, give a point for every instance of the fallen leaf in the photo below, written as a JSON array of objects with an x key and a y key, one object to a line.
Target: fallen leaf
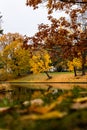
[
  {"x": 42, "y": 109},
  {"x": 50, "y": 115},
  {"x": 83, "y": 99}
]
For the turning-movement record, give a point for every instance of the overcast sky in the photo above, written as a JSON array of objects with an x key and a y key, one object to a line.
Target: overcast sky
[{"x": 17, "y": 17}]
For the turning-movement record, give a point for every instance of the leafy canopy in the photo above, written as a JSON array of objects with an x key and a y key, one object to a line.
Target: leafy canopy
[{"x": 40, "y": 61}]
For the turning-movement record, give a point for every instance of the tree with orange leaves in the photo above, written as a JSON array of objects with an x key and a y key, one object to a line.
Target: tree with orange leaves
[{"x": 69, "y": 38}]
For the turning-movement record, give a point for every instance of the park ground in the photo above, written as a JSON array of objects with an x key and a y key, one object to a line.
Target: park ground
[
  {"x": 61, "y": 80},
  {"x": 56, "y": 77}
]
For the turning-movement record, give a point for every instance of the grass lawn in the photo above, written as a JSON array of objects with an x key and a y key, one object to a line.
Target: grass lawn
[{"x": 56, "y": 77}]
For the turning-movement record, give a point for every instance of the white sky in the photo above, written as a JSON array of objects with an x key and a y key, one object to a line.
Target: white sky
[{"x": 17, "y": 17}]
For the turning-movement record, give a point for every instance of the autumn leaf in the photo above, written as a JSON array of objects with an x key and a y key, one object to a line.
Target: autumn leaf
[
  {"x": 79, "y": 100},
  {"x": 50, "y": 115},
  {"x": 42, "y": 109},
  {"x": 48, "y": 108}
]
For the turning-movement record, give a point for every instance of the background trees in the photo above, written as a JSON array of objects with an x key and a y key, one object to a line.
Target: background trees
[
  {"x": 65, "y": 38},
  {"x": 61, "y": 41},
  {"x": 15, "y": 59},
  {"x": 18, "y": 58}
]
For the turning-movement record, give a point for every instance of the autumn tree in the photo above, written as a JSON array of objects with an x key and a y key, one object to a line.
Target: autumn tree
[
  {"x": 56, "y": 39},
  {"x": 6, "y": 39},
  {"x": 15, "y": 58},
  {"x": 64, "y": 35},
  {"x": 19, "y": 64},
  {"x": 75, "y": 63},
  {"x": 40, "y": 62},
  {"x": 1, "y": 61},
  {"x": 55, "y": 4}
]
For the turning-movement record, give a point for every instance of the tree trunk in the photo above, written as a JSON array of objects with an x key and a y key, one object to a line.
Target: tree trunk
[
  {"x": 83, "y": 70},
  {"x": 75, "y": 74},
  {"x": 83, "y": 63},
  {"x": 49, "y": 77}
]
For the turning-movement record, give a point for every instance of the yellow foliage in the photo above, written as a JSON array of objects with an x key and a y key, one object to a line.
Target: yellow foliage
[
  {"x": 82, "y": 99},
  {"x": 70, "y": 65},
  {"x": 16, "y": 58},
  {"x": 40, "y": 61},
  {"x": 49, "y": 115},
  {"x": 75, "y": 63}
]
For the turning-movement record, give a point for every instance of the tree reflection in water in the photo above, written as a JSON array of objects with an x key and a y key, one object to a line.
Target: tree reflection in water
[
  {"x": 23, "y": 92},
  {"x": 37, "y": 106}
]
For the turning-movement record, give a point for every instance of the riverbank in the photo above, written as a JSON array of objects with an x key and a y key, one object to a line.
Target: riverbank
[{"x": 56, "y": 77}]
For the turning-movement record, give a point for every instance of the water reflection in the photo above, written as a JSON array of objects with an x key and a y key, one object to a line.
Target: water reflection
[
  {"x": 26, "y": 91},
  {"x": 31, "y": 106}
]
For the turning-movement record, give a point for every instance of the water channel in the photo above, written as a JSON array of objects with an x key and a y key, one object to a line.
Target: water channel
[{"x": 24, "y": 106}]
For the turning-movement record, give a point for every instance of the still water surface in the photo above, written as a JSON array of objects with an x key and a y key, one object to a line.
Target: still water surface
[
  {"x": 16, "y": 112},
  {"x": 23, "y": 91}
]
